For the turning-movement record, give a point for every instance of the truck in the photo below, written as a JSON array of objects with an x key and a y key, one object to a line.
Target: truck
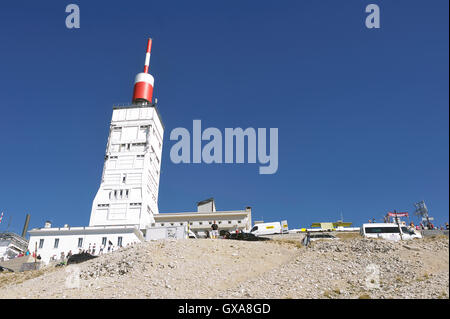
[{"x": 268, "y": 229}]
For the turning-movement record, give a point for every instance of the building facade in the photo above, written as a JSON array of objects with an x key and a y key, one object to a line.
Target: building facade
[
  {"x": 50, "y": 243},
  {"x": 200, "y": 222},
  {"x": 128, "y": 193}
]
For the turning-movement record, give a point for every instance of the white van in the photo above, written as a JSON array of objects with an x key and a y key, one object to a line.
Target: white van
[
  {"x": 389, "y": 231},
  {"x": 266, "y": 229}
]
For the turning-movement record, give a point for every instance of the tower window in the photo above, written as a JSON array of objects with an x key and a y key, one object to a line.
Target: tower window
[
  {"x": 56, "y": 243},
  {"x": 41, "y": 243}
]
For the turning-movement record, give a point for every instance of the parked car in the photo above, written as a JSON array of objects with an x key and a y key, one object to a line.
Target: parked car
[
  {"x": 245, "y": 236},
  {"x": 319, "y": 236}
]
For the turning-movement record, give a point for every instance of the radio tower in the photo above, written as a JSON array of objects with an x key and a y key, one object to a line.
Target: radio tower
[
  {"x": 143, "y": 83},
  {"x": 128, "y": 193}
]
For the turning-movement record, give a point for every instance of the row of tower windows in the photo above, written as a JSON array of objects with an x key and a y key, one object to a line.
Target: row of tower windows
[
  {"x": 137, "y": 156},
  {"x": 198, "y": 223},
  {"x": 80, "y": 242},
  {"x": 119, "y": 194},
  {"x": 131, "y": 204},
  {"x": 141, "y": 127}
]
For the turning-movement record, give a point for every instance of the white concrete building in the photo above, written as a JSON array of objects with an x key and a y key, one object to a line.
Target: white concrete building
[
  {"x": 128, "y": 193},
  {"x": 200, "y": 222},
  {"x": 11, "y": 245},
  {"x": 51, "y": 242}
]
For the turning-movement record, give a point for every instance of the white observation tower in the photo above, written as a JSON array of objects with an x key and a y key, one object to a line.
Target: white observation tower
[{"x": 128, "y": 193}]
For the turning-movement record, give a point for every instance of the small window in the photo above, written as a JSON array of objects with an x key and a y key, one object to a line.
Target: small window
[
  {"x": 41, "y": 243},
  {"x": 104, "y": 241},
  {"x": 80, "y": 242},
  {"x": 162, "y": 224},
  {"x": 124, "y": 178},
  {"x": 181, "y": 224},
  {"x": 56, "y": 243},
  {"x": 229, "y": 222},
  {"x": 200, "y": 223},
  {"x": 119, "y": 241},
  {"x": 171, "y": 224},
  {"x": 239, "y": 221}
]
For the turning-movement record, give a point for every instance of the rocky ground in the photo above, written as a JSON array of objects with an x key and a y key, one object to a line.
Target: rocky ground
[{"x": 280, "y": 268}]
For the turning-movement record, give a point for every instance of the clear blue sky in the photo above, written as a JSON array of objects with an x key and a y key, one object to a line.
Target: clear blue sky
[{"x": 363, "y": 115}]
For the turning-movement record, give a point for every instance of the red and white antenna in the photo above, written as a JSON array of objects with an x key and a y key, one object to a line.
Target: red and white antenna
[{"x": 143, "y": 83}]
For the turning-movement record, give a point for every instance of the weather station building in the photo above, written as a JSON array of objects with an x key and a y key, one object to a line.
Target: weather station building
[
  {"x": 200, "y": 222},
  {"x": 126, "y": 203}
]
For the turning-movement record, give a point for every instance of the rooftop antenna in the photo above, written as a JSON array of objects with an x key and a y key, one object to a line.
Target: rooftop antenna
[
  {"x": 422, "y": 212},
  {"x": 143, "y": 83}
]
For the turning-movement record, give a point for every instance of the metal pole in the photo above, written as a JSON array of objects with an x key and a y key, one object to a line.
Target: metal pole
[
  {"x": 25, "y": 226},
  {"x": 398, "y": 224},
  {"x": 35, "y": 255}
]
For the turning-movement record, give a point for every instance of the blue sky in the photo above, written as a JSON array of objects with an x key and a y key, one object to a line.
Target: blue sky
[{"x": 362, "y": 114}]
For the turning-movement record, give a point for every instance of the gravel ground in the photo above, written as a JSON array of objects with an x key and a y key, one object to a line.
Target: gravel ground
[{"x": 280, "y": 268}]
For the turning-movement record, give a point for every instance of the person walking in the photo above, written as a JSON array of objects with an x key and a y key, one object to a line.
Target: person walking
[
  {"x": 214, "y": 230},
  {"x": 307, "y": 239}
]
